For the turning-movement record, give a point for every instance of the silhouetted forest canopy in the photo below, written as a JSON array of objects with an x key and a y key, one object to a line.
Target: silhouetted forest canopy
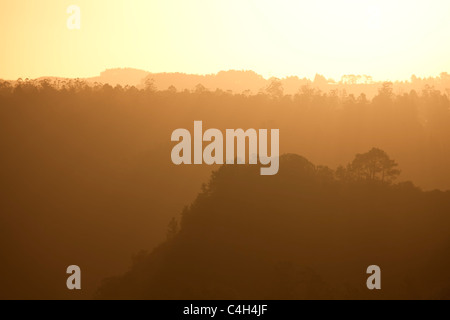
[
  {"x": 327, "y": 127},
  {"x": 303, "y": 234},
  {"x": 249, "y": 82},
  {"x": 87, "y": 177}
]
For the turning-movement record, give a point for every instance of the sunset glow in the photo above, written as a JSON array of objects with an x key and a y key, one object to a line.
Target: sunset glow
[{"x": 386, "y": 39}]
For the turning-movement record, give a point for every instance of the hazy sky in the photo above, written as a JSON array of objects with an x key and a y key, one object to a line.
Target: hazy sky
[{"x": 388, "y": 39}]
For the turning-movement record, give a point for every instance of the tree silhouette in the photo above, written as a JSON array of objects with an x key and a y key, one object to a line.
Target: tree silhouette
[
  {"x": 149, "y": 85},
  {"x": 374, "y": 165},
  {"x": 199, "y": 88},
  {"x": 275, "y": 88},
  {"x": 172, "y": 89}
]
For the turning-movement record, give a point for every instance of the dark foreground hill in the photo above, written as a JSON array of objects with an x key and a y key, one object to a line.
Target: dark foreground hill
[{"x": 301, "y": 234}]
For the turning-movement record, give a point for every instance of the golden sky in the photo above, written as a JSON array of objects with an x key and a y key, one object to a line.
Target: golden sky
[{"x": 388, "y": 39}]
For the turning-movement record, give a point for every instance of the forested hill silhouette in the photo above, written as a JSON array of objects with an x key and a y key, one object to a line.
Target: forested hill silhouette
[
  {"x": 306, "y": 233},
  {"x": 85, "y": 168},
  {"x": 250, "y": 82}
]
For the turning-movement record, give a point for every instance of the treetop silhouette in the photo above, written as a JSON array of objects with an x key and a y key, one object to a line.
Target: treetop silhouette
[{"x": 372, "y": 166}]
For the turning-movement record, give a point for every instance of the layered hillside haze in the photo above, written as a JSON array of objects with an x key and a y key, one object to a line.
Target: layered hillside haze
[
  {"x": 299, "y": 235},
  {"x": 86, "y": 178}
]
